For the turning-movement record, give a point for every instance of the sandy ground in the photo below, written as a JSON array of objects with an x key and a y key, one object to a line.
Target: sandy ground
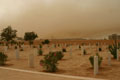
[{"x": 77, "y": 65}]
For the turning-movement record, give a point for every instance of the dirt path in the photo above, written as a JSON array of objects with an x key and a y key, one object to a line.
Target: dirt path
[{"x": 17, "y": 74}]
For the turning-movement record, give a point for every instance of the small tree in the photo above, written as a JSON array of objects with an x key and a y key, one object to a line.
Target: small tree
[
  {"x": 46, "y": 41},
  {"x": 8, "y": 34},
  {"x": 64, "y": 50},
  {"x": 30, "y": 36},
  {"x": 113, "y": 49},
  {"x": 91, "y": 59},
  {"x": 50, "y": 61},
  {"x": 3, "y": 58}
]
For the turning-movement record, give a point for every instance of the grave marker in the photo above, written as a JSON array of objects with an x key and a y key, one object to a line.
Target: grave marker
[
  {"x": 95, "y": 65},
  {"x": 31, "y": 60},
  {"x": 109, "y": 58},
  {"x": 118, "y": 54},
  {"x": 17, "y": 53}
]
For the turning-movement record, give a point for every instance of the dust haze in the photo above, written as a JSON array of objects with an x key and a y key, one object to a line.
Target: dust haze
[{"x": 62, "y": 18}]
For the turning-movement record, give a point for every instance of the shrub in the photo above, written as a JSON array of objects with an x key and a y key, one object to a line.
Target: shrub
[
  {"x": 40, "y": 52},
  {"x": 21, "y": 49},
  {"x": 3, "y": 58},
  {"x": 91, "y": 59},
  {"x": 58, "y": 45},
  {"x": 84, "y": 52},
  {"x": 97, "y": 44},
  {"x": 79, "y": 47},
  {"x": 64, "y": 50},
  {"x": 113, "y": 49},
  {"x": 40, "y": 46},
  {"x": 100, "y": 49},
  {"x": 13, "y": 42},
  {"x": 51, "y": 60},
  {"x": 16, "y": 47},
  {"x": 46, "y": 41},
  {"x": 34, "y": 46},
  {"x": 49, "y": 63},
  {"x": 59, "y": 55}
]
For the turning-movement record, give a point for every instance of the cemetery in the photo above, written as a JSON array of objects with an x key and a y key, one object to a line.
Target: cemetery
[{"x": 87, "y": 58}]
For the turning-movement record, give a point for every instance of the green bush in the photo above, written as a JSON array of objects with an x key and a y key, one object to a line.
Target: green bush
[
  {"x": 51, "y": 60},
  {"x": 3, "y": 58},
  {"x": 13, "y": 42},
  {"x": 64, "y": 50},
  {"x": 113, "y": 49},
  {"x": 16, "y": 47},
  {"x": 46, "y": 41},
  {"x": 85, "y": 52},
  {"x": 34, "y": 46},
  {"x": 40, "y": 52},
  {"x": 58, "y": 45},
  {"x": 40, "y": 46},
  {"x": 100, "y": 49},
  {"x": 59, "y": 55},
  {"x": 21, "y": 49},
  {"x": 79, "y": 47},
  {"x": 91, "y": 59}
]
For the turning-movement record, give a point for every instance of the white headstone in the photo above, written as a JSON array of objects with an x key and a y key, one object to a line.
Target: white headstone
[
  {"x": 31, "y": 60},
  {"x": 109, "y": 58},
  {"x": 118, "y": 54},
  {"x": 95, "y": 65},
  {"x": 82, "y": 50},
  {"x": 23, "y": 46},
  {"x": 71, "y": 51},
  {"x": 5, "y": 49},
  {"x": 50, "y": 48},
  {"x": 36, "y": 51},
  {"x": 17, "y": 53}
]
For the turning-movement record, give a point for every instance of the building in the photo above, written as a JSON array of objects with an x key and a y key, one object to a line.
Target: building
[{"x": 114, "y": 36}]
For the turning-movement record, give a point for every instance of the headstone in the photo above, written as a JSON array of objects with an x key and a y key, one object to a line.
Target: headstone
[
  {"x": 23, "y": 46},
  {"x": 71, "y": 51},
  {"x": 95, "y": 65},
  {"x": 36, "y": 51},
  {"x": 31, "y": 60},
  {"x": 5, "y": 49},
  {"x": 50, "y": 48},
  {"x": 118, "y": 54},
  {"x": 17, "y": 53},
  {"x": 109, "y": 58},
  {"x": 82, "y": 50}
]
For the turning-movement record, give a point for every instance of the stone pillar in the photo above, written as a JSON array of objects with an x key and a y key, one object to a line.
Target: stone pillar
[
  {"x": 82, "y": 50},
  {"x": 5, "y": 49},
  {"x": 31, "y": 60},
  {"x": 17, "y": 53},
  {"x": 118, "y": 54},
  {"x": 95, "y": 65},
  {"x": 71, "y": 51},
  {"x": 109, "y": 58}
]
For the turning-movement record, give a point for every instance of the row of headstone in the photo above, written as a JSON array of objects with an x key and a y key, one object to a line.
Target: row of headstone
[{"x": 96, "y": 67}]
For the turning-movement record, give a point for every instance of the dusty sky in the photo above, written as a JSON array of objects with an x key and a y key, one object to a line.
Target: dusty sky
[{"x": 62, "y": 18}]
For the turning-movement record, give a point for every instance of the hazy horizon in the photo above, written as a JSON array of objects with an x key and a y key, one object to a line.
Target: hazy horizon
[{"x": 62, "y": 18}]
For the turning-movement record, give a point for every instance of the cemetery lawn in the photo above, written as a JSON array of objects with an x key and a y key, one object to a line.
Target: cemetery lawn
[{"x": 76, "y": 65}]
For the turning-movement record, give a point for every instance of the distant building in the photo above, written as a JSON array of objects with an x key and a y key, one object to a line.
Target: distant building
[{"x": 114, "y": 36}]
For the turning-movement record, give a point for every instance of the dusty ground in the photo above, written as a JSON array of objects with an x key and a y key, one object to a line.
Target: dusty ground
[{"x": 77, "y": 65}]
